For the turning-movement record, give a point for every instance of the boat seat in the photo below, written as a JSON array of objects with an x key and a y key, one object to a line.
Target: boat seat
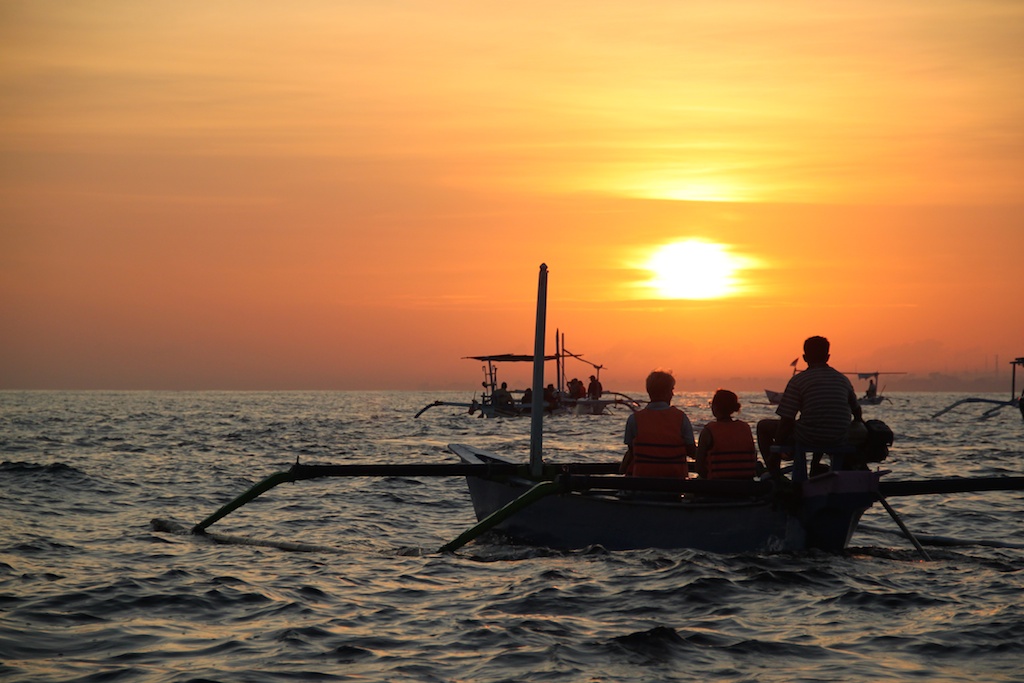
[{"x": 836, "y": 453}]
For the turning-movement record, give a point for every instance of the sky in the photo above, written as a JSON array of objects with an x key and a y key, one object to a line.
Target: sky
[{"x": 358, "y": 195}]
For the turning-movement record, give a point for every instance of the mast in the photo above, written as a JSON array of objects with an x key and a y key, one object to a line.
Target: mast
[
  {"x": 537, "y": 410},
  {"x": 1013, "y": 377},
  {"x": 559, "y": 361}
]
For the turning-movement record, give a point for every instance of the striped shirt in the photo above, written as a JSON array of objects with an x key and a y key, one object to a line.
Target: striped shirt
[{"x": 822, "y": 396}]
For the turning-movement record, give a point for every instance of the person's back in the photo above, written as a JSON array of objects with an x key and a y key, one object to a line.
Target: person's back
[
  {"x": 824, "y": 400},
  {"x": 821, "y": 396},
  {"x": 659, "y": 438},
  {"x": 725, "y": 449},
  {"x": 659, "y": 449},
  {"x": 502, "y": 396}
]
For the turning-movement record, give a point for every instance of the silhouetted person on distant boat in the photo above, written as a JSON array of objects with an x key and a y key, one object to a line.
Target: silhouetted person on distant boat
[
  {"x": 659, "y": 438},
  {"x": 527, "y": 398},
  {"x": 872, "y": 390},
  {"x": 502, "y": 398},
  {"x": 594, "y": 389},
  {"x": 725, "y": 448},
  {"x": 550, "y": 397},
  {"x": 823, "y": 398},
  {"x": 576, "y": 388}
]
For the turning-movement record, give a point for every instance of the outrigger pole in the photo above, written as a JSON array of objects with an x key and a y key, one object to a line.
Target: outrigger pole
[
  {"x": 537, "y": 411},
  {"x": 300, "y": 472}
]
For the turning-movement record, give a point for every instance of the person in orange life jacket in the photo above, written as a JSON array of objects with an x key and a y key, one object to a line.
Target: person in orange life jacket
[
  {"x": 659, "y": 438},
  {"x": 725, "y": 448}
]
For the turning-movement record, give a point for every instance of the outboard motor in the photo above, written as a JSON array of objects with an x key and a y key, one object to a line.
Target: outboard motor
[{"x": 874, "y": 447}]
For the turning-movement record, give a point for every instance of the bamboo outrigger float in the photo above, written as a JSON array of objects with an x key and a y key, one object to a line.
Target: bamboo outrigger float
[{"x": 574, "y": 505}]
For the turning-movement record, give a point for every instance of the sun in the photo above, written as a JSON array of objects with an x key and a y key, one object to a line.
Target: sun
[{"x": 695, "y": 269}]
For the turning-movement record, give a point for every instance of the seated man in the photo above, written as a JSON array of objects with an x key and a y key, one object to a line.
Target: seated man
[
  {"x": 659, "y": 438},
  {"x": 823, "y": 398},
  {"x": 502, "y": 398}
]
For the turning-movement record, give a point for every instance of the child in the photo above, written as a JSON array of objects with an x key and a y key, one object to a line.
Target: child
[{"x": 725, "y": 447}]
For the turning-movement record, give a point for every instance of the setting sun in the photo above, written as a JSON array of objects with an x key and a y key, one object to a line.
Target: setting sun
[{"x": 695, "y": 269}]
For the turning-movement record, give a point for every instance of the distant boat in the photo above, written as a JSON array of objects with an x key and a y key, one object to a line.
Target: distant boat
[
  {"x": 1014, "y": 401},
  {"x": 494, "y": 402},
  {"x": 775, "y": 397},
  {"x": 872, "y": 395}
]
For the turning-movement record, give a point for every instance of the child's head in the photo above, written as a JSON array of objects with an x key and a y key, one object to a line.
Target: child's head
[{"x": 724, "y": 403}]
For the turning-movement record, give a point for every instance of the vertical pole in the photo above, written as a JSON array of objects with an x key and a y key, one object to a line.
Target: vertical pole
[
  {"x": 559, "y": 378},
  {"x": 537, "y": 412},
  {"x": 1013, "y": 379}
]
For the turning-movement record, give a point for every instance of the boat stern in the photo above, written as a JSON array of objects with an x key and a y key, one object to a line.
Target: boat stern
[{"x": 832, "y": 505}]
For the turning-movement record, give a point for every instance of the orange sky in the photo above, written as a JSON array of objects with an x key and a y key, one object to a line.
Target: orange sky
[{"x": 356, "y": 195}]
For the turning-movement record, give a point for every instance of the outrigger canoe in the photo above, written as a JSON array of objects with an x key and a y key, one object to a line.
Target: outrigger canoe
[
  {"x": 577, "y": 505},
  {"x": 620, "y": 513}
]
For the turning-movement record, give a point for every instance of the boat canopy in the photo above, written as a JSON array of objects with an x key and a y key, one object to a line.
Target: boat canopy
[{"x": 508, "y": 358}]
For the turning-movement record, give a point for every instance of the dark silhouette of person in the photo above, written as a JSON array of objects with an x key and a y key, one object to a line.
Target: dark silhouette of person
[
  {"x": 659, "y": 438},
  {"x": 550, "y": 397},
  {"x": 502, "y": 397},
  {"x": 823, "y": 398},
  {"x": 725, "y": 448}
]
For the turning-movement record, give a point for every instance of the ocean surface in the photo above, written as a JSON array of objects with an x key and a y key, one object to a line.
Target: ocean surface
[{"x": 91, "y": 590}]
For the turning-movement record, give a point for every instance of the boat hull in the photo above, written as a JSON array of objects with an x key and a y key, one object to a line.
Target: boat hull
[{"x": 825, "y": 517}]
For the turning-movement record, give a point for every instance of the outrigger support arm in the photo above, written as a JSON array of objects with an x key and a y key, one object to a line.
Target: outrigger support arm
[
  {"x": 299, "y": 472},
  {"x": 262, "y": 487},
  {"x": 904, "y": 529},
  {"x": 538, "y": 491}
]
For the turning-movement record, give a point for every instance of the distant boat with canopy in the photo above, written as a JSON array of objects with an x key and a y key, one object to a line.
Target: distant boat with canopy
[{"x": 497, "y": 400}]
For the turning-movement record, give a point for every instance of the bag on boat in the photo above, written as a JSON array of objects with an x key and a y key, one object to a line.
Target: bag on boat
[{"x": 875, "y": 447}]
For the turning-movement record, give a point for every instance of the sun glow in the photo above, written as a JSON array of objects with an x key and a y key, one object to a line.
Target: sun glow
[{"x": 695, "y": 269}]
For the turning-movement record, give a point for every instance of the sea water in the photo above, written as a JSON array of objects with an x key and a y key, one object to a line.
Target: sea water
[{"x": 90, "y": 590}]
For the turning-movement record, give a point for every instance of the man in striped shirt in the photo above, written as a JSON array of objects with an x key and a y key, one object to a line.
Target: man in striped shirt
[{"x": 823, "y": 398}]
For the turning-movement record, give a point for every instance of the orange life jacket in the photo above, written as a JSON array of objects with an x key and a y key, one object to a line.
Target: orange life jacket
[
  {"x": 732, "y": 454},
  {"x": 659, "y": 449}
]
